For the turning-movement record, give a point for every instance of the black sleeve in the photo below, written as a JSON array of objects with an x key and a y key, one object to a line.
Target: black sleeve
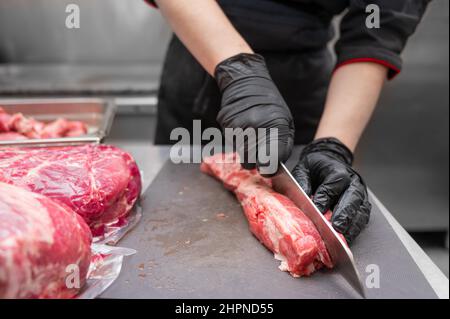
[
  {"x": 152, "y": 3},
  {"x": 383, "y": 45}
]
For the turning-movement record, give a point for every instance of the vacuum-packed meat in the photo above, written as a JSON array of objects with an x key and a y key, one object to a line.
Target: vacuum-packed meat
[
  {"x": 44, "y": 246},
  {"x": 99, "y": 182}
]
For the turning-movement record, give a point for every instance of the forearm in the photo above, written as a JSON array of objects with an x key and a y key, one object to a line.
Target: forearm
[
  {"x": 205, "y": 30},
  {"x": 352, "y": 96}
]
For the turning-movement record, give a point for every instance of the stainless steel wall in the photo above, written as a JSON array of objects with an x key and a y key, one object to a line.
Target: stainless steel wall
[{"x": 111, "y": 31}]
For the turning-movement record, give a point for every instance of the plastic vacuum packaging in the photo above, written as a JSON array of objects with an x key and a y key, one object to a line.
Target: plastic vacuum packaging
[
  {"x": 105, "y": 267},
  {"x": 46, "y": 250},
  {"x": 101, "y": 183},
  {"x": 115, "y": 231}
]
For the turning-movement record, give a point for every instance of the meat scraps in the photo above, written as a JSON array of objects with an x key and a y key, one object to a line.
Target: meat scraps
[
  {"x": 273, "y": 218},
  {"x": 99, "y": 182},
  {"x": 14, "y": 125},
  {"x": 41, "y": 244},
  {"x": 12, "y": 136}
]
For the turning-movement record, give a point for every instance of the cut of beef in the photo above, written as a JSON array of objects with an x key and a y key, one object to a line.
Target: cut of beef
[
  {"x": 99, "y": 182},
  {"x": 42, "y": 243},
  {"x": 31, "y": 128},
  {"x": 273, "y": 218}
]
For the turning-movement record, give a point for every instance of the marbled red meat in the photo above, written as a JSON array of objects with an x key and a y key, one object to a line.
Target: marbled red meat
[
  {"x": 41, "y": 243},
  {"x": 30, "y": 128},
  {"x": 99, "y": 182},
  {"x": 273, "y": 218}
]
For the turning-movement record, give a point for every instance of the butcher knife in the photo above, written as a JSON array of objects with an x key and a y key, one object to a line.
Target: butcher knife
[{"x": 284, "y": 183}]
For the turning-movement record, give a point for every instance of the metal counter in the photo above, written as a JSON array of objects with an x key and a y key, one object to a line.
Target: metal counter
[{"x": 152, "y": 158}]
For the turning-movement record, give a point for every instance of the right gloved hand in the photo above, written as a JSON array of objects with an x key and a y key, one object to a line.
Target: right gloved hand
[
  {"x": 250, "y": 99},
  {"x": 325, "y": 172}
]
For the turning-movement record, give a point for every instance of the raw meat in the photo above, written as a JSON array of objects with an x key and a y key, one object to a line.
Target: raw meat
[
  {"x": 42, "y": 244},
  {"x": 11, "y": 136},
  {"x": 4, "y": 121},
  {"x": 99, "y": 182},
  {"x": 31, "y": 128},
  {"x": 273, "y": 218}
]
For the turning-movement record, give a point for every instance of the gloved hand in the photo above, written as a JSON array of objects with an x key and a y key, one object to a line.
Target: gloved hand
[
  {"x": 324, "y": 171},
  {"x": 250, "y": 99}
]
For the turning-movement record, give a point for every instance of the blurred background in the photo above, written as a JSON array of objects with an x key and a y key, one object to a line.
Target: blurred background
[{"x": 118, "y": 52}]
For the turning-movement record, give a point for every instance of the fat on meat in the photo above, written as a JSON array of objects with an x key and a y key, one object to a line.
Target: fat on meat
[
  {"x": 273, "y": 218},
  {"x": 101, "y": 183},
  {"x": 41, "y": 244}
]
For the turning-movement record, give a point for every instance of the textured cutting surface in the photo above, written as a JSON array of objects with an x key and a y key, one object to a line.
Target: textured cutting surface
[
  {"x": 194, "y": 242},
  {"x": 39, "y": 239},
  {"x": 99, "y": 182}
]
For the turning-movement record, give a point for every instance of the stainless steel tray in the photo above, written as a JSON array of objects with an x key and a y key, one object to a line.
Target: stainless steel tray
[{"x": 98, "y": 114}]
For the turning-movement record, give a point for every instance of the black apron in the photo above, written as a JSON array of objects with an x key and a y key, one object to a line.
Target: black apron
[{"x": 292, "y": 40}]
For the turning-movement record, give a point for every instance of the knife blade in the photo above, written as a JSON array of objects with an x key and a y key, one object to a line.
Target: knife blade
[{"x": 284, "y": 183}]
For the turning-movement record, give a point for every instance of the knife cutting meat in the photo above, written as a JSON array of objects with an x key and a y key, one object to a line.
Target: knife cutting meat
[
  {"x": 278, "y": 222},
  {"x": 341, "y": 256}
]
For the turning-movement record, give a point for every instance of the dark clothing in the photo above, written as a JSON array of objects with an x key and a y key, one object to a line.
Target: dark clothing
[
  {"x": 187, "y": 92},
  {"x": 292, "y": 35},
  {"x": 398, "y": 20}
]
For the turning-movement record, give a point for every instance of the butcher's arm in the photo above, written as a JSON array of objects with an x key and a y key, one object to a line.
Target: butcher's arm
[
  {"x": 325, "y": 167},
  {"x": 250, "y": 99},
  {"x": 205, "y": 30},
  {"x": 352, "y": 97}
]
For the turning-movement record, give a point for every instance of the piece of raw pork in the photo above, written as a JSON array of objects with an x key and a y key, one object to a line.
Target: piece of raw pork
[
  {"x": 101, "y": 183},
  {"x": 42, "y": 243},
  {"x": 17, "y": 126},
  {"x": 273, "y": 218}
]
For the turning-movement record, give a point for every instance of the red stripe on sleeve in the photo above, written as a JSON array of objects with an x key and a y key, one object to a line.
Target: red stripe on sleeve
[{"x": 393, "y": 70}]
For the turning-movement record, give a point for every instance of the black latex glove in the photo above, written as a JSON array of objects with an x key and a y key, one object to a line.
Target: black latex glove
[
  {"x": 324, "y": 171},
  {"x": 250, "y": 99}
]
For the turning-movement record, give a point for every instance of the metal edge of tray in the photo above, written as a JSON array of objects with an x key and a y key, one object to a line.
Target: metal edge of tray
[
  {"x": 110, "y": 113},
  {"x": 96, "y": 138},
  {"x": 63, "y": 141}
]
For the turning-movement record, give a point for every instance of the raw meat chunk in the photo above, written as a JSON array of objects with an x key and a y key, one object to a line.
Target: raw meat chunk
[
  {"x": 99, "y": 182},
  {"x": 31, "y": 128},
  {"x": 41, "y": 243},
  {"x": 273, "y": 218},
  {"x": 11, "y": 136},
  {"x": 4, "y": 121}
]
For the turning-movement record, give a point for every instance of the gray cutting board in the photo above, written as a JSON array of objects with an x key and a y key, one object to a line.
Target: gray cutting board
[{"x": 193, "y": 242}]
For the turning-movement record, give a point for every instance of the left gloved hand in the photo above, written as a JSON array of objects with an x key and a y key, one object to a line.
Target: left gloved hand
[
  {"x": 325, "y": 172},
  {"x": 251, "y": 100}
]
